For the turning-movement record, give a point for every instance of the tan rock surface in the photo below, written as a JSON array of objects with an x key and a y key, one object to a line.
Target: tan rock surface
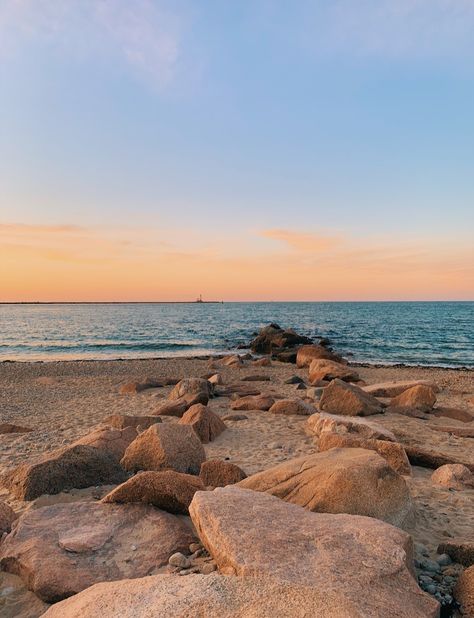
[
  {"x": 329, "y": 370},
  {"x": 292, "y": 406},
  {"x": 16, "y": 601},
  {"x": 307, "y": 353},
  {"x": 464, "y": 592},
  {"x": 109, "y": 440},
  {"x": 219, "y": 473},
  {"x": 453, "y": 476},
  {"x": 207, "y": 425},
  {"x": 421, "y": 397},
  {"x": 348, "y": 400},
  {"x": 392, "y": 389},
  {"x": 7, "y": 517},
  {"x": 121, "y": 421},
  {"x": 322, "y": 421}
]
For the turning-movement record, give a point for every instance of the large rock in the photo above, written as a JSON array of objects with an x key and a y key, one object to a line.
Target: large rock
[
  {"x": 60, "y": 550},
  {"x": 176, "y": 407},
  {"x": 196, "y": 390},
  {"x": 320, "y": 370},
  {"x": 453, "y": 476},
  {"x": 11, "y": 428},
  {"x": 457, "y": 414},
  {"x": 219, "y": 473},
  {"x": 168, "y": 490},
  {"x": 209, "y": 596},
  {"x": 430, "y": 458},
  {"x": 273, "y": 338},
  {"x": 352, "y": 480},
  {"x": 165, "y": 446},
  {"x": 292, "y": 406},
  {"x": 357, "y": 565},
  {"x": 392, "y": 389},
  {"x": 393, "y": 452},
  {"x": 110, "y": 440},
  {"x": 68, "y": 468},
  {"x": 349, "y": 400},
  {"x": 307, "y": 353},
  {"x": 460, "y": 550},
  {"x": 121, "y": 421},
  {"x": 253, "y": 402},
  {"x": 421, "y": 397},
  {"x": 204, "y": 422},
  {"x": 464, "y": 592},
  {"x": 16, "y": 601},
  {"x": 321, "y": 421},
  {"x": 7, "y": 517}
]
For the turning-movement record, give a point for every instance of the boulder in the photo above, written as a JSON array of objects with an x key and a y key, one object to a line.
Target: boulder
[
  {"x": 62, "y": 549},
  {"x": 253, "y": 402},
  {"x": 235, "y": 360},
  {"x": 262, "y": 362},
  {"x": 464, "y": 592},
  {"x": 234, "y": 417},
  {"x": 165, "y": 446},
  {"x": 273, "y": 337},
  {"x": 132, "y": 388},
  {"x": 307, "y": 353},
  {"x": 204, "y": 422},
  {"x": 352, "y": 480},
  {"x": 421, "y": 397},
  {"x": 209, "y": 596},
  {"x": 392, "y": 389},
  {"x": 358, "y": 566},
  {"x": 429, "y": 458},
  {"x": 393, "y": 452},
  {"x": 215, "y": 379},
  {"x": 172, "y": 408},
  {"x": 461, "y": 432},
  {"x": 10, "y": 428},
  {"x": 16, "y": 601},
  {"x": 121, "y": 421},
  {"x": 196, "y": 390},
  {"x": 292, "y": 406},
  {"x": 459, "y": 550},
  {"x": 72, "y": 467},
  {"x": 453, "y": 476},
  {"x": 109, "y": 440},
  {"x": 348, "y": 400},
  {"x": 168, "y": 490},
  {"x": 321, "y": 421},
  {"x": 329, "y": 370},
  {"x": 255, "y": 377},
  {"x": 219, "y": 473},
  {"x": 455, "y": 413},
  {"x": 7, "y": 517}
]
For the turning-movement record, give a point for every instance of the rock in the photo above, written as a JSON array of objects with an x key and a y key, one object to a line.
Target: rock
[
  {"x": 172, "y": 408},
  {"x": 294, "y": 380},
  {"x": 204, "y": 422},
  {"x": 453, "y": 476},
  {"x": 168, "y": 490},
  {"x": 10, "y": 428},
  {"x": 335, "y": 556},
  {"x": 411, "y": 412},
  {"x": 455, "y": 413},
  {"x": 273, "y": 337},
  {"x": 71, "y": 467},
  {"x": 62, "y": 549},
  {"x": 255, "y": 378},
  {"x": 121, "y": 421},
  {"x": 196, "y": 390},
  {"x": 301, "y": 387},
  {"x": 320, "y": 422},
  {"x": 314, "y": 393},
  {"x": 308, "y": 353},
  {"x": 464, "y": 592},
  {"x": 218, "y": 473},
  {"x": 292, "y": 406},
  {"x": 348, "y": 400},
  {"x": 421, "y": 397},
  {"x": 234, "y": 417},
  {"x": 109, "y": 440},
  {"x": 215, "y": 379},
  {"x": 132, "y": 388},
  {"x": 179, "y": 560},
  {"x": 393, "y": 389},
  {"x": 165, "y": 446},
  {"x": 286, "y": 357},
  {"x": 16, "y": 601},
  {"x": 232, "y": 361},
  {"x": 462, "y": 432},
  {"x": 7, "y": 517},
  {"x": 262, "y": 362},
  {"x": 393, "y": 453},
  {"x": 209, "y": 596},
  {"x": 238, "y": 390},
  {"x": 329, "y": 370},
  {"x": 354, "y": 481},
  {"x": 459, "y": 550},
  {"x": 253, "y": 402},
  {"x": 428, "y": 458}
]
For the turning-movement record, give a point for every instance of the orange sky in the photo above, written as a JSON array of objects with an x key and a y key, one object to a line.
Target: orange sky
[{"x": 73, "y": 263}]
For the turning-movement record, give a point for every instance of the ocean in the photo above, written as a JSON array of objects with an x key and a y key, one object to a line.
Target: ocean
[{"x": 412, "y": 333}]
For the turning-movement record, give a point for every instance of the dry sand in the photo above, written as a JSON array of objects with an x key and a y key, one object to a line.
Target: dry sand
[{"x": 62, "y": 401}]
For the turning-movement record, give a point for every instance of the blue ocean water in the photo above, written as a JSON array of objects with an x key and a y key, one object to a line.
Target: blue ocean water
[{"x": 416, "y": 333}]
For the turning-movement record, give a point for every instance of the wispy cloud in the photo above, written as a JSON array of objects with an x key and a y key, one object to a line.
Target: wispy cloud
[
  {"x": 145, "y": 35},
  {"x": 302, "y": 241}
]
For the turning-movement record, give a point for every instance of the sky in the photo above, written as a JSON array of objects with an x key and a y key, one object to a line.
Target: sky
[{"x": 251, "y": 150}]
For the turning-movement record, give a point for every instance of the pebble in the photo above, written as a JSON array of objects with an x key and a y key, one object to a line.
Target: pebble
[
  {"x": 179, "y": 560},
  {"x": 208, "y": 568},
  {"x": 444, "y": 560},
  {"x": 194, "y": 547}
]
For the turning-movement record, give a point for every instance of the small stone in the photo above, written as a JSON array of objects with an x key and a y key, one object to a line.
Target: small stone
[
  {"x": 444, "y": 560},
  {"x": 431, "y": 589},
  {"x": 194, "y": 547},
  {"x": 430, "y": 565},
  {"x": 179, "y": 560},
  {"x": 208, "y": 568},
  {"x": 294, "y": 380},
  {"x": 421, "y": 549}
]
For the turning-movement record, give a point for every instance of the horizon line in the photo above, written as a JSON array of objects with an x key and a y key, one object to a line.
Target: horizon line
[{"x": 219, "y": 302}]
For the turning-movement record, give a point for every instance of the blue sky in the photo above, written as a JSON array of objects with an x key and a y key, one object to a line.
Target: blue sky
[{"x": 349, "y": 119}]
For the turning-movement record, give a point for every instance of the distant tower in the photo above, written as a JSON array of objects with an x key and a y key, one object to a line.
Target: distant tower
[{"x": 199, "y": 300}]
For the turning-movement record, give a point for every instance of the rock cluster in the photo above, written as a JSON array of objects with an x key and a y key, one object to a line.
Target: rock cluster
[{"x": 274, "y": 339}]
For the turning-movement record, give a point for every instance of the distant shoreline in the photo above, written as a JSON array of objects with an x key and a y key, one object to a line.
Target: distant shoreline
[{"x": 217, "y": 302}]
